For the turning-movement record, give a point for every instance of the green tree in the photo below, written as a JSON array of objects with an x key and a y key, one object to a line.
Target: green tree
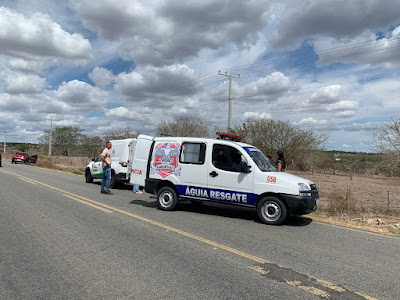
[
  {"x": 92, "y": 146},
  {"x": 300, "y": 146},
  {"x": 23, "y": 147},
  {"x": 184, "y": 127},
  {"x": 66, "y": 140}
]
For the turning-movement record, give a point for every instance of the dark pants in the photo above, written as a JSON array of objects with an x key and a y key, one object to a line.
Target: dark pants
[{"x": 105, "y": 183}]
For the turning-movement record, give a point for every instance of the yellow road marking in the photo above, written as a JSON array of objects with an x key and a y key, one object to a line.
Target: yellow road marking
[
  {"x": 90, "y": 204},
  {"x": 28, "y": 181},
  {"x": 259, "y": 270},
  {"x": 298, "y": 284},
  {"x": 309, "y": 289},
  {"x": 329, "y": 285},
  {"x": 365, "y": 296}
]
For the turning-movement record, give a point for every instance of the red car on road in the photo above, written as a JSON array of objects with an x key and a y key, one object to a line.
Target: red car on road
[{"x": 21, "y": 157}]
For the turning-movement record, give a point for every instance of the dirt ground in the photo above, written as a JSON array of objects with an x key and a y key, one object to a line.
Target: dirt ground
[{"x": 375, "y": 201}]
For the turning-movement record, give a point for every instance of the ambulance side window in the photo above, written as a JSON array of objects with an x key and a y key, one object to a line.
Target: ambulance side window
[{"x": 193, "y": 153}]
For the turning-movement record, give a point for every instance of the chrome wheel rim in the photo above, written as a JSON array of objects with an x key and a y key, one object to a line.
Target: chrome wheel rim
[
  {"x": 166, "y": 199},
  {"x": 271, "y": 211}
]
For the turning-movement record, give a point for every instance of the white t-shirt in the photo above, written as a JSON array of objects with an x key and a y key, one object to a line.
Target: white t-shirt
[{"x": 107, "y": 157}]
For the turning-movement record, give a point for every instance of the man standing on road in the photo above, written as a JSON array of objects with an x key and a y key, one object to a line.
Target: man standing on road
[{"x": 106, "y": 158}]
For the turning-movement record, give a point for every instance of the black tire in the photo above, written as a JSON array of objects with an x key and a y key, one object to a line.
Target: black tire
[
  {"x": 113, "y": 183},
  {"x": 167, "y": 198},
  {"x": 88, "y": 177},
  {"x": 271, "y": 211}
]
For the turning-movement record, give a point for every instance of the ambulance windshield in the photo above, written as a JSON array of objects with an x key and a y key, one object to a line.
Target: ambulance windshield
[{"x": 260, "y": 159}]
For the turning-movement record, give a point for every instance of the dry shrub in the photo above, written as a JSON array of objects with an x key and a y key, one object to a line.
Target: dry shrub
[
  {"x": 342, "y": 202},
  {"x": 45, "y": 162},
  {"x": 65, "y": 163}
]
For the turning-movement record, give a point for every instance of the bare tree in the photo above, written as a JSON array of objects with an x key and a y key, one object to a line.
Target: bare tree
[
  {"x": 120, "y": 134},
  {"x": 184, "y": 127},
  {"x": 387, "y": 140},
  {"x": 300, "y": 146}
]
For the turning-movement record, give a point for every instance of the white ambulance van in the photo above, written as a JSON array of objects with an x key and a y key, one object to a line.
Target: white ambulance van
[
  {"x": 223, "y": 170},
  {"x": 119, "y": 163}
]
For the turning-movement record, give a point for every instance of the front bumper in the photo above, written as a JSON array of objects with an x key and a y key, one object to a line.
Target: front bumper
[
  {"x": 18, "y": 160},
  {"x": 301, "y": 205}
]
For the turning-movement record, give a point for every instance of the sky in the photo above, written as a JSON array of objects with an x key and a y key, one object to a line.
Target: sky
[{"x": 329, "y": 65}]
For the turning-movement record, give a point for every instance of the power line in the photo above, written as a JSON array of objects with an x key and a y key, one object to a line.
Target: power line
[
  {"x": 163, "y": 92},
  {"x": 322, "y": 86},
  {"x": 349, "y": 47}
]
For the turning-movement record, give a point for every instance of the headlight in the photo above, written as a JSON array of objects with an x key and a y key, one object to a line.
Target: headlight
[{"x": 303, "y": 187}]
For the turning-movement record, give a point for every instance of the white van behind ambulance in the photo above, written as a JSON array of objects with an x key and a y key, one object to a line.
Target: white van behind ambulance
[
  {"x": 221, "y": 170},
  {"x": 119, "y": 163}
]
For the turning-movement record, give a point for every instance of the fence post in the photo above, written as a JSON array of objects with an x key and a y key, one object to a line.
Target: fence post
[{"x": 388, "y": 199}]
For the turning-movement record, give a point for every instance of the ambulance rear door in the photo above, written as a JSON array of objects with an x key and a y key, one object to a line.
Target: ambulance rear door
[
  {"x": 131, "y": 147},
  {"x": 192, "y": 163},
  {"x": 140, "y": 159}
]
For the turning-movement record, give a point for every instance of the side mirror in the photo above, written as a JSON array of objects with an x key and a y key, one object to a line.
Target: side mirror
[
  {"x": 93, "y": 159},
  {"x": 244, "y": 167}
]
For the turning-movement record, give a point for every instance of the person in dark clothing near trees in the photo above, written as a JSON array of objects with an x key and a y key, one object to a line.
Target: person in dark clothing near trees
[{"x": 280, "y": 163}]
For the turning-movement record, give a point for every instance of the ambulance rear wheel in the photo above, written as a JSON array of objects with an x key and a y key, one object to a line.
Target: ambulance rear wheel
[
  {"x": 113, "y": 182},
  {"x": 167, "y": 198},
  {"x": 271, "y": 211}
]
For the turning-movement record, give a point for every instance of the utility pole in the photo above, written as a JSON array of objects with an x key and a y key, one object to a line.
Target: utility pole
[
  {"x": 50, "y": 135},
  {"x": 230, "y": 97},
  {"x": 5, "y": 134}
]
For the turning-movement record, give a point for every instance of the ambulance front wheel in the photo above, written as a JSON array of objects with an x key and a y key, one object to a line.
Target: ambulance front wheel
[
  {"x": 167, "y": 198},
  {"x": 88, "y": 176},
  {"x": 271, "y": 210}
]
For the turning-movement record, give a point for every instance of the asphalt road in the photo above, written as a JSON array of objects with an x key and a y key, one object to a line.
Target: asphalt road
[{"x": 61, "y": 239}]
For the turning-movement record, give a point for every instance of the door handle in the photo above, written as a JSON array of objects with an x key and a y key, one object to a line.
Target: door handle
[{"x": 213, "y": 174}]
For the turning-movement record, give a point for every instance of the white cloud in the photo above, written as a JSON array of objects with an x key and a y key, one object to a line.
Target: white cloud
[
  {"x": 345, "y": 114},
  {"x": 269, "y": 88},
  {"x": 311, "y": 122},
  {"x": 77, "y": 97},
  {"x": 123, "y": 113},
  {"x": 101, "y": 77},
  {"x": 345, "y": 19},
  {"x": 255, "y": 115},
  {"x": 326, "y": 95},
  {"x": 24, "y": 65},
  {"x": 164, "y": 32},
  {"x": 26, "y": 84},
  {"x": 157, "y": 84},
  {"x": 343, "y": 105},
  {"x": 38, "y": 36}
]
